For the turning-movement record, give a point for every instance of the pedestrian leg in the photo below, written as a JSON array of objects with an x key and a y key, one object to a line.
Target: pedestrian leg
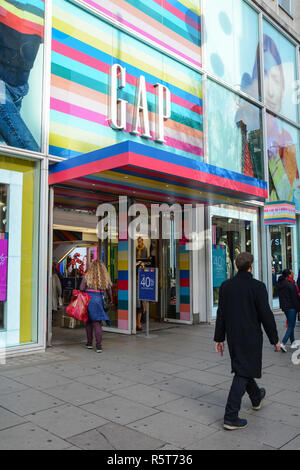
[
  {"x": 89, "y": 332},
  {"x": 237, "y": 391},
  {"x": 253, "y": 391},
  {"x": 98, "y": 333}
]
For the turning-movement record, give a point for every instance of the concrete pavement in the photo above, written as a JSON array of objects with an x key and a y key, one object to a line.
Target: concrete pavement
[{"x": 166, "y": 393}]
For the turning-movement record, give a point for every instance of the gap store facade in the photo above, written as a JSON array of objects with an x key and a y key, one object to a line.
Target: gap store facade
[{"x": 178, "y": 102}]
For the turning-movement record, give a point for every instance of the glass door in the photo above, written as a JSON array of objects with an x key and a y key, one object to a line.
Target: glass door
[
  {"x": 283, "y": 255},
  {"x": 233, "y": 232}
]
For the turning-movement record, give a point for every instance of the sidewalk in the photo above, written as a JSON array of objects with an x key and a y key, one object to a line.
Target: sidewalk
[{"x": 167, "y": 393}]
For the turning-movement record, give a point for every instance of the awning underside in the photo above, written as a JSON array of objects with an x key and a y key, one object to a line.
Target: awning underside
[{"x": 141, "y": 171}]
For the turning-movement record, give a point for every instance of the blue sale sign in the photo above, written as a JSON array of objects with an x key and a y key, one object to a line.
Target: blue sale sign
[
  {"x": 219, "y": 266},
  {"x": 148, "y": 284}
]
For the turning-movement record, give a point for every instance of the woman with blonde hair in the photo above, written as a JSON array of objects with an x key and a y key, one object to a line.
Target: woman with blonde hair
[{"x": 96, "y": 283}]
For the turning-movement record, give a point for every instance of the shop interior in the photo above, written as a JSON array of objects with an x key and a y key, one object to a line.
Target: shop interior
[{"x": 76, "y": 245}]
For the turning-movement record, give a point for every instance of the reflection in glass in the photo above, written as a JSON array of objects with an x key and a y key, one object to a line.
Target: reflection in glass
[
  {"x": 232, "y": 37},
  {"x": 230, "y": 237},
  {"x": 279, "y": 72},
  {"x": 283, "y": 153},
  {"x": 21, "y": 69},
  {"x": 282, "y": 253},
  {"x": 234, "y": 132}
]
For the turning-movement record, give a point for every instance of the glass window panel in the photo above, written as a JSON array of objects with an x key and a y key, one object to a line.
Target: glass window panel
[
  {"x": 175, "y": 25},
  {"x": 21, "y": 73},
  {"x": 232, "y": 38},
  {"x": 230, "y": 237},
  {"x": 279, "y": 73},
  {"x": 284, "y": 160},
  {"x": 234, "y": 132}
]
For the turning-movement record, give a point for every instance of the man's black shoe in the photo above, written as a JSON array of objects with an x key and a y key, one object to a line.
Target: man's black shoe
[
  {"x": 234, "y": 425},
  {"x": 262, "y": 396}
]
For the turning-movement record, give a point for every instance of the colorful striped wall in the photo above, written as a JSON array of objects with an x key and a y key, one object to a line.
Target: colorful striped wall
[
  {"x": 123, "y": 322},
  {"x": 83, "y": 49},
  {"x": 185, "y": 297},
  {"x": 173, "y": 24},
  {"x": 28, "y": 312}
]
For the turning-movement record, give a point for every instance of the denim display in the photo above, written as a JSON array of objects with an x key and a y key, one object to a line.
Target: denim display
[{"x": 13, "y": 130}]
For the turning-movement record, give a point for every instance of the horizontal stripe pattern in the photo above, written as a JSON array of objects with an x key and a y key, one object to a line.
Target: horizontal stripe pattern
[
  {"x": 24, "y": 17},
  {"x": 174, "y": 25},
  {"x": 83, "y": 50}
]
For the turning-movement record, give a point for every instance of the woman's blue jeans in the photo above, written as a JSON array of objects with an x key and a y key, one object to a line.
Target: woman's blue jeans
[
  {"x": 291, "y": 316},
  {"x": 13, "y": 130}
]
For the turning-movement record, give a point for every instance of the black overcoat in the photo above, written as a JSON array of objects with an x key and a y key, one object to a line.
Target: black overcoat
[{"x": 243, "y": 310}]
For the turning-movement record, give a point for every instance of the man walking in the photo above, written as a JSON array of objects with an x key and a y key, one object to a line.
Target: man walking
[{"x": 243, "y": 309}]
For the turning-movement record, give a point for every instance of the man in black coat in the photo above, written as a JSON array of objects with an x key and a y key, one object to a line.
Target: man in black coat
[{"x": 243, "y": 308}]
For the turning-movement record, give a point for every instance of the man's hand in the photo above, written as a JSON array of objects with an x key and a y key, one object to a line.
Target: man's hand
[
  {"x": 220, "y": 348},
  {"x": 277, "y": 347}
]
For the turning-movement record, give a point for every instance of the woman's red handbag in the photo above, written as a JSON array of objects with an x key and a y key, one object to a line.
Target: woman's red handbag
[{"x": 78, "y": 306}]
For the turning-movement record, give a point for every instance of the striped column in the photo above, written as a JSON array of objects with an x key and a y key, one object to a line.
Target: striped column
[
  {"x": 185, "y": 297},
  {"x": 123, "y": 285}
]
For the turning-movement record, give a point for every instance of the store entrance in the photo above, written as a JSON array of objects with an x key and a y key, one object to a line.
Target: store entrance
[{"x": 169, "y": 255}]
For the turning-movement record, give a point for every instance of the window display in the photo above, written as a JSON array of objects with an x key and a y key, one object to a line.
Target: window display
[
  {"x": 233, "y": 232},
  {"x": 279, "y": 72},
  {"x": 232, "y": 34},
  {"x": 284, "y": 155},
  {"x": 234, "y": 132},
  {"x": 21, "y": 72}
]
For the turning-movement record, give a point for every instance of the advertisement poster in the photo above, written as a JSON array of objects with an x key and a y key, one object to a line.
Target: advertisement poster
[
  {"x": 3, "y": 266},
  {"x": 21, "y": 73},
  {"x": 219, "y": 266}
]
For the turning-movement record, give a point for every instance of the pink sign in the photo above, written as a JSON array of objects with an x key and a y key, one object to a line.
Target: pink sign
[{"x": 3, "y": 266}]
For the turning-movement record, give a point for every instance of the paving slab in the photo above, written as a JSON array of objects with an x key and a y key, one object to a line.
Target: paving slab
[
  {"x": 164, "y": 367},
  {"x": 194, "y": 410},
  {"x": 172, "y": 429},
  {"x": 120, "y": 410},
  {"x": 279, "y": 413},
  {"x": 76, "y": 393},
  {"x": 224, "y": 440},
  {"x": 105, "y": 381},
  {"x": 267, "y": 432},
  {"x": 146, "y": 395},
  {"x": 195, "y": 363},
  {"x": 115, "y": 437},
  {"x": 66, "y": 421},
  {"x": 41, "y": 380},
  {"x": 9, "y": 419},
  {"x": 30, "y": 437},
  {"x": 139, "y": 375},
  {"x": 8, "y": 386},
  {"x": 184, "y": 387},
  {"x": 287, "y": 398},
  {"x": 28, "y": 401},
  {"x": 294, "y": 444},
  {"x": 202, "y": 377}
]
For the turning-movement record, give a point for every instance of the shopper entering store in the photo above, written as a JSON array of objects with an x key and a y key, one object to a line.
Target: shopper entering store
[
  {"x": 243, "y": 309},
  {"x": 97, "y": 284},
  {"x": 289, "y": 302}
]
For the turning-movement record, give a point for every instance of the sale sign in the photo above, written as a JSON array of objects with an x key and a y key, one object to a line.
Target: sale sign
[{"x": 3, "y": 266}]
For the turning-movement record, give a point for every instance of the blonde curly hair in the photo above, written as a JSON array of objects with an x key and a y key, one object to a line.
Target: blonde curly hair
[{"x": 97, "y": 276}]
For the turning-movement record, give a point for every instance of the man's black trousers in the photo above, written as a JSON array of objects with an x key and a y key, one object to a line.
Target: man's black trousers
[{"x": 239, "y": 386}]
